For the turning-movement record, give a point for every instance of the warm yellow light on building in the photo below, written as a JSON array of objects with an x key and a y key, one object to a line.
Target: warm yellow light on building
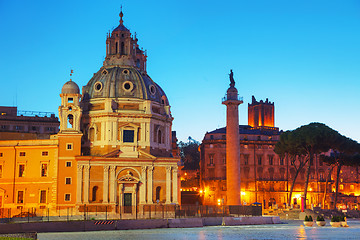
[
  {"x": 180, "y": 189},
  {"x": 201, "y": 191},
  {"x": 185, "y": 174},
  {"x": 311, "y": 189},
  {"x": 242, "y": 193}
]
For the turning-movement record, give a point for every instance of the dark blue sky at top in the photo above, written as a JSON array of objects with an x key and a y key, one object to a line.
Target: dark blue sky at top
[{"x": 303, "y": 55}]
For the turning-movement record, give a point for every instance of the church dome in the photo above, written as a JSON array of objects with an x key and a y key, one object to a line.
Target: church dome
[
  {"x": 70, "y": 87},
  {"x": 123, "y": 82}
]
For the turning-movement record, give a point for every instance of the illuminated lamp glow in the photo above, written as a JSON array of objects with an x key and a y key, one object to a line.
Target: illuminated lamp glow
[{"x": 242, "y": 193}]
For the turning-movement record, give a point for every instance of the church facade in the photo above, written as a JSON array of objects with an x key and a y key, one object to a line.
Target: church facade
[{"x": 114, "y": 147}]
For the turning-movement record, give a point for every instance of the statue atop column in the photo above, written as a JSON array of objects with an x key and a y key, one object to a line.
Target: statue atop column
[{"x": 232, "y": 81}]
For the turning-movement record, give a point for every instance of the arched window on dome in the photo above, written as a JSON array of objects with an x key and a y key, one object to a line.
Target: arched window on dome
[
  {"x": 116, "y": 48},
  {"x": 138, "y": 63},
  {"x": 70, "y": 121},
  {"x": 159, "y": 136}
]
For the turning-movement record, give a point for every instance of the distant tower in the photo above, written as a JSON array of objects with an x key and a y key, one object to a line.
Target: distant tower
[
  {"x": 261, "y": 114},
  {"x": 232, "y": 103},
  {"x": 70, "y": 111}
]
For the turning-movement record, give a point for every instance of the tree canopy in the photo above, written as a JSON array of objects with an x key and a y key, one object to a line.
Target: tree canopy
[{"x": 189, "y": 153}]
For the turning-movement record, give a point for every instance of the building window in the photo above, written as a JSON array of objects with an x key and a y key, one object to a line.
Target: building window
[
  {"x": 211, "y": 159},
  {"x": 69, "y": 146},
  {"x": 1, "y": 170},
  {"x": 20, "y": 198},
  {"x": 211, "y": 137},
  {"x": 281, "y": 161},
  {"x": 259, "y": 158},
  {"x": 341, "y": 187},
  {"x": 158, "y": 191},
  {"x": 259, "y": 146},
  {"x": 94, "y": 192},
  {"x": 45, "y": 153},
  {"x": 43, "y": 196},
  {"x": 320, "y": 162},
  {"x": 246, "y": 159},
  {"x": 18, "y": 127},
  {"x": 21, "y": 170},
  {"x": 67, "y": 180},
  {"x": 128, "y": 136},
  {"x": 44, "y": 167},
  {"x": 67, "y": 197},
  {"x": 68, "y": 164},
  {"x": 224, "y": 159},
  {"x": 70, "y": 100},
  {"x": 352, "y": 187},
  {"x": 271, "y": 160},
  {"x": 1, "y": 154},
  {"x": 22, "y": 154}
]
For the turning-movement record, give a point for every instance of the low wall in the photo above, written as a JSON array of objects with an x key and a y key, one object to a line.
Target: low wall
[
  {"x": 185, "y": 222},
  {"x": 235, "y": 221},
  {"x": 80, "y": 226}
]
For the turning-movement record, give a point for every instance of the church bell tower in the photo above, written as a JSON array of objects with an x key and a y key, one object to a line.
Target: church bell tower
[{"x": 70, "y": 111}]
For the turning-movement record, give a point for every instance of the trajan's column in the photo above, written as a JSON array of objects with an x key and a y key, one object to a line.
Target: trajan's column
[{"x": 232, "y": 102}]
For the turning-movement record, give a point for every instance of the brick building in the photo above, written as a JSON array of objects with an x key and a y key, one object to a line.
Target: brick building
[{"x": 265, "y": 177}]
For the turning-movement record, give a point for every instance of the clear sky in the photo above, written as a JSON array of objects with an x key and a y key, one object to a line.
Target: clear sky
[{"x": 303, "y": 55}]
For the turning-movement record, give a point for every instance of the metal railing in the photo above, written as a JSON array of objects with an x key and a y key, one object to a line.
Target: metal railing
[{"x": 156, "y": 211}]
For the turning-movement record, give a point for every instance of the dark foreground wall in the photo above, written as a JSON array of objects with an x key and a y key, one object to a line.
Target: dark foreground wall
[{"x": 80, "y": 226}]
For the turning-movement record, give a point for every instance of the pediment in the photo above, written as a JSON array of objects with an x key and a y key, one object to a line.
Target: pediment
[{"x": 128, "y": 178}]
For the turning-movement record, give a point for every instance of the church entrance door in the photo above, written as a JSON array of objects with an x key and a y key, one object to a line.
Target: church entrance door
[{"x": 127, "y": 203}]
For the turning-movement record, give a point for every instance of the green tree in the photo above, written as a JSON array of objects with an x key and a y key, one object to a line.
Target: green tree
[
  {"x": 345, "y": 153},
  {"x": 189, "y": 153},
  {"x": 313, "y": 139},
  {"x": 288, "y": 148}
]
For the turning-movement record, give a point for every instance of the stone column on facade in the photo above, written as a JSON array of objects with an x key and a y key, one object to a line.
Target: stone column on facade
[
  {"x": 103, "y": 132},
  {"x": 150, "y": 185},
  {"x": 121, "y": 192},
  {"x": 79, "y": 183},
  {"x": 168, "y": 185},
  {"x": 134, "y": 195},
  {"x": 112, "y": 184},
  {"x": 175, "y": 185},
  {"x": 86, "y": 183},
  {"x": 106, "y": 185},
  {"x": 142, "y": 186},
  {"x": 115, "y": 132}
]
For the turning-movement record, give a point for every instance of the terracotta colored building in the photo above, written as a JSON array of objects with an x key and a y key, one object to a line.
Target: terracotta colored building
[
  {"x": 265, "y": 177},
  {"x": 114, "y": 148}
]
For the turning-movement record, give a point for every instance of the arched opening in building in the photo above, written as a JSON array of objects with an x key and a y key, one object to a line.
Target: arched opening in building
[
  {"x": 94, "y": 192},
  {"x": 122, "y": 49},
  {"x": 92, "y": 134},
  {"x": 159, "y": 140},
  {"x": 158, "y": 191},
  {"x": 138, "y": 63},
  {"x": 70, "y": 121},
  {"x": 116, "y": 48}
]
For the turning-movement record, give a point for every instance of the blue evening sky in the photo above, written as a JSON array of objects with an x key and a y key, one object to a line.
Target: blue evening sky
[{"x": 302, "y": 54}]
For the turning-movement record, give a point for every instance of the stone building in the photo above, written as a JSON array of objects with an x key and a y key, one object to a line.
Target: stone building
[
  {"x": 265, "y": 177},
  {"x": 114, "y": 148},
  {"x": 16, "y": 124}
]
